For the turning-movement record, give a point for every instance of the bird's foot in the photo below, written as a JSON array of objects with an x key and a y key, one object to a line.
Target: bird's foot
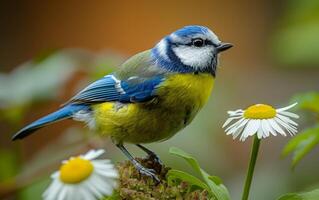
[
  {"x": 156, "y": 161},
  {"x": 138, "y": 166},
  {"x": 147, "y": 172}
]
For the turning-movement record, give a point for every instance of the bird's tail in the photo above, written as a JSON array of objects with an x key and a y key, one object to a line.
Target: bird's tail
[{"x": 63, "y": 113}]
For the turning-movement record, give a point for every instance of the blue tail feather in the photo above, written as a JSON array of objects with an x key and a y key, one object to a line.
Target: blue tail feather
[{"x": 63, "y": 113}]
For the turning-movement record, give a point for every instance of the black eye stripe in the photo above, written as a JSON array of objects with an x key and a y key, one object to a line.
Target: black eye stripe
[{"x": 206, "y": 42}]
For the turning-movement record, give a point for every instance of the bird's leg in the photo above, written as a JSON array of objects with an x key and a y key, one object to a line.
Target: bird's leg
[
  {"x": 143, "y": 170},
  {"x": 151, "y": 155}
]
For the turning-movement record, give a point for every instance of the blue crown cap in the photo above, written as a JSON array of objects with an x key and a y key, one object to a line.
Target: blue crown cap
[{"x": 191, "y": 30}]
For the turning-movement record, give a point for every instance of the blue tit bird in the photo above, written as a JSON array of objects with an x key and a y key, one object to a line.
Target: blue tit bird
[{"x": 151, "y": 97}]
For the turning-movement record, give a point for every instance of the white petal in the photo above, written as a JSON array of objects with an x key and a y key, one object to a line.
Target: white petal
[
  {"x": 286, "y": 119},
  {"x": 289, "y": 114},
  {"x": 234, "y": 124},
  {"x": 250, "y": 129},
  {"x": 260, "y": 133},
  {"x": 237, "y": 132},
  {"x": 258, "y": 125},
  {"x": 55, "y": 175},
  {"x": 86, "y": 194},
  {"x": 236, "y": 112},
  {"x": 91, "y": 187},
  {"x": 238, "y": 126},
  {"x": 72, "y": 192},
  {"x": 286, "y": 108},
  {"x": 282, "y": 123},
  {"x": 101, "y": 165},
  {"x": 102, "y": 185},
  {"x": 233, "y": 130},
  {"x": 62, "y": 194},
  {"x": 52, "y": 191},
  {"x": 108, "y": 173},
  {"x": 288, "y": 127},
  {"x": 270, "y": 128},
  {"x": 106, "y": 162},
  {"x": 265, "y": 128},
  {"x": 229, "y": 120},
  {"x": 275, "y": 126},
  {"x": 92, "y": 154}
]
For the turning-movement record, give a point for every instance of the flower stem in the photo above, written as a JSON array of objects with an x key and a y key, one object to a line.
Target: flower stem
[{"x": 250, "y": 172}]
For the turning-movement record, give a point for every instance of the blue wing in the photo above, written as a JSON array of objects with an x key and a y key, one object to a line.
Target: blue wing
[{"x": 109, "y": 88}]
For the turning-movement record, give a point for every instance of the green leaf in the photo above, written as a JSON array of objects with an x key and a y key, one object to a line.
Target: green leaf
[
  {"x": 302, "y": 144},
  {"x": 176, "y": 174},
  {"x": 312, "y": 195},
  {"x": 216, "y": 179},
  {"x": 308, "y": 101},
  {"x": 216, "y": 188}
]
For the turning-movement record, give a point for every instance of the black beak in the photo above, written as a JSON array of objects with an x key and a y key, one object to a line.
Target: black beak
[{"x": 224, "y": 46}]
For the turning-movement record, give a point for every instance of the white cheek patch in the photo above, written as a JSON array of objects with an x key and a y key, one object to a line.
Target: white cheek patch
[{"x": 193, "y": 56}]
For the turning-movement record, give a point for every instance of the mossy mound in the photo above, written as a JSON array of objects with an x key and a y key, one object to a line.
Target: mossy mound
[{"x": 133, "y": 186}]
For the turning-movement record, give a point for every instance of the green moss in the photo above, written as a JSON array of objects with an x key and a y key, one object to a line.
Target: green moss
[{"x": 134, "y": 186}]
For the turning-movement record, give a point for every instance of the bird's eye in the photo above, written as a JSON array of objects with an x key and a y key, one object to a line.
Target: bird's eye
[{"x": 198, "y": 42}]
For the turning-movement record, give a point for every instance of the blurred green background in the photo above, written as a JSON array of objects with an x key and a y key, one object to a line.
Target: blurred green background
[{"x": 51, "y": 49}]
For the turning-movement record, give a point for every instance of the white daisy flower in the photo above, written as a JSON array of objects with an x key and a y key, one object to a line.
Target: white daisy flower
[
  {"x": 261, "y": 119},
  {"x": 83, "y": 178}
]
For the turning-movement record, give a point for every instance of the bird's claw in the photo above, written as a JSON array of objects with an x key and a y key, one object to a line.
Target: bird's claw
[{"x": 149, "y": 172}]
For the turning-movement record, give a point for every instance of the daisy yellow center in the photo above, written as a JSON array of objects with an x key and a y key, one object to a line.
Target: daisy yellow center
[
  {"x": 260, "y": 111},
  {"x": 75, "y": 170}
]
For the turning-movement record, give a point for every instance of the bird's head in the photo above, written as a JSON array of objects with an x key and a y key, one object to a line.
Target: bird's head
[{"x": 189, "y": 49}]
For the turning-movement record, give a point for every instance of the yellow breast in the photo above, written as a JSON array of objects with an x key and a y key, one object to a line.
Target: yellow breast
[
  {"x": 180, "y": 97},
  {"x": 187, "y": 89}
]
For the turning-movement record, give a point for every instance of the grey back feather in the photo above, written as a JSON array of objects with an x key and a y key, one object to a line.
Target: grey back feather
[{"x": 139, "y": 68}]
